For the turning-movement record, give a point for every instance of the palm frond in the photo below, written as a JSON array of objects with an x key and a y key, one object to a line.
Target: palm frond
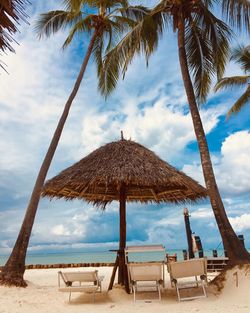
[
  {"x": 231, "y": 82},
  {"x": 77, "y": 29},
  {"x": 207, "y": 46},
  {"x": 53, "y": 21},
  {"x": 106, "y": 4},
  {"x": 237, "y": 13},
  {"x": 200, "y": 60},
  {"x": 98, "y": 52},
  {"x": 11, "y": 13},
  {"x": 114, "y": 3},
  {"x": 143, "y": 38},
  {"x": 115, "y": 27},
  {"x": 122, "y": 23},
  {"x": 135, "y": 12},
  {"x": 241, "y": 55},
  {"x": 219, "y": 35},
  {"x": 240, "y": 103},
  {"x": 73, "y": 5}
]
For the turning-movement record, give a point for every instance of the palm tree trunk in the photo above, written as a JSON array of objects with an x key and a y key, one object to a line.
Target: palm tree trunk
[
  {"x": 236, "y": 252},
  {"x": 12, "y": 272}
]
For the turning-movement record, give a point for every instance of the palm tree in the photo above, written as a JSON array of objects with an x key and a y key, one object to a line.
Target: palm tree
[
  {"x": 11, "y": 12},
  {"x": 102, "y": 27},
  {"x": 203, "y": 50},
  {"x": 241, "y": 55}
]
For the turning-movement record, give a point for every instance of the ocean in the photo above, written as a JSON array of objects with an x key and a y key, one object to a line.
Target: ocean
[{"x": 96, "y": 257}]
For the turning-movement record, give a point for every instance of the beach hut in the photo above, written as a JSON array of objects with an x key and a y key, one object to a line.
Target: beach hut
[{"x": 127, "y": 172}]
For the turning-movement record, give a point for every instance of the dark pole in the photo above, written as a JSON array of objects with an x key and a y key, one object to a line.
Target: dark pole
[
  {"x": 199, "y": 246},
  {"x": 122, "y": 273},
  {"x": 189, "y": 233},
  {"x": 241, "y": 237}
]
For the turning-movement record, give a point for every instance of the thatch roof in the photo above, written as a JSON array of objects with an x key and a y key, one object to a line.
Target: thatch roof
[{"x": 98, "y": 177}]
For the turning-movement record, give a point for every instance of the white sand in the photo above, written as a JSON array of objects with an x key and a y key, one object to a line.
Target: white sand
[{"x": 42, "y": 296}]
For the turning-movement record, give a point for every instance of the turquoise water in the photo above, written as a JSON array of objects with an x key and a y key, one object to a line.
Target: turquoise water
[
  {"x": 67, "y": 257},
  {"x": 96, "y": 257}
]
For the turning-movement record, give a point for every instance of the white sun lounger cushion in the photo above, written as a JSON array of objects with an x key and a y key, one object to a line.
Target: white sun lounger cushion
[
  {"x": 189, "y": 268},
  {"x": 145, "y": 272},
  {"x": 79, "y": 289},
  {"x": 194, "y": 268},
  {"x": 87, "y": 282}
]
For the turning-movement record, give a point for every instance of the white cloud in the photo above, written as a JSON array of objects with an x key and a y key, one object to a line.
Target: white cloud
[
  {"x": 232, "y": 168},
  {"x": 202, "y": 213},
  {"x": 149, "y": 106},
  {"x": 43, "y": 81},
  {"x": 210, "y": 117},
  {"x": 160, "y": 126},
  {"x": 60, "y": 230},
  {"x": 173, "y": 221},
  {"x": 234, "y": 172},
  {"x": 240, "y": 223},
  {"x": 31, "y": 97}
]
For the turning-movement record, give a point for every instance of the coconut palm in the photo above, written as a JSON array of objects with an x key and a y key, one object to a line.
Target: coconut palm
[
  {"x": 11, "y": 12},
  {"x": 203, "y": 50},
  {"x": 240, "y": 55},
  {"x": 102, "y": 28}
]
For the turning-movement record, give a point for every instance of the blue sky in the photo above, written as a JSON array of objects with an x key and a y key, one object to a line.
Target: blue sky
[{"x": 149, "y": 106}]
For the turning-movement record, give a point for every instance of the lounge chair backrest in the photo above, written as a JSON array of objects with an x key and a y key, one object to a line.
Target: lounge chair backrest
[
  {"x": 188, "y": 268},
  {"x": 80, "y": 282},
  {"x": 149, "y": 253},
  {"x": 145, "y": 271},
  {"x": 80, "y": 276}
]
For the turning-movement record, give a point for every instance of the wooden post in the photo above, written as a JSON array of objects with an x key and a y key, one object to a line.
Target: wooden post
[
  {"x": 188, "y": 233},
  {"x": 199, "y": 246},
  {"x": 111, "y": 283},
  {"x": 185, "y": 256},
  {"x": 123, "y": 273},
  {"x": 215, "y": 253},
  {"x": 241, "y": 237}
]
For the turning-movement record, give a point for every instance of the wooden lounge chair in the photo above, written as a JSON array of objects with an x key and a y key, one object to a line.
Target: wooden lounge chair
[
  {"x": 145, "y": 267},
  {"x": 145, "y": 275},
  {"x": 80, "y": 282},
  {"x": 189, "y": 274}
]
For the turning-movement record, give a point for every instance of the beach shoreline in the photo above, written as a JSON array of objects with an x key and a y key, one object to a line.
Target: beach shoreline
[
  {"x": 65, "y": 265},
  {"x": 42, "y": 295}
]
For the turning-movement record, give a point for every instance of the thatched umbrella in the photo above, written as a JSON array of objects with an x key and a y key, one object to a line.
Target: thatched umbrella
[{"x": 125, "y": 171}]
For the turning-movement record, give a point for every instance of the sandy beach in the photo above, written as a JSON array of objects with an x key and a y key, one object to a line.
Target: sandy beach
[{"x": 42, "y": 296}]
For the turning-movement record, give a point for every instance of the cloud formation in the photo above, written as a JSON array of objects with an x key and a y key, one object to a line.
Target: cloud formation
[
  {"x": 232, "y": 167},
  {"x": 240, "y": 223},
  {"x": 149, "y": 106}
]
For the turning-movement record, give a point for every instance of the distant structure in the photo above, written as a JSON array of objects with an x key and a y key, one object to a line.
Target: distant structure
[{"x": 188, "y": 233}]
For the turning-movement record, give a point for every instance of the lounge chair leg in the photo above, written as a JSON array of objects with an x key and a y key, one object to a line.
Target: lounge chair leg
[
  {"x": 69, "y": 296},
  {"x": 197, "y": 284},
  {"x": 203, "y": 287},
  {"x": 133, "y": 287},
  {"x": 178, "y": 292},
  {"x": 159, "y": 291}
]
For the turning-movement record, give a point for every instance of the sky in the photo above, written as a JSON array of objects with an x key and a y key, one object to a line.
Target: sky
[{"x": 149, "y": 105}]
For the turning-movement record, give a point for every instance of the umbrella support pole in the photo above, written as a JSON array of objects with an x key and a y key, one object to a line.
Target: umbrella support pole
[
  {"x": 122, "y": 272},
  {"x": 112, "y": 279}
]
